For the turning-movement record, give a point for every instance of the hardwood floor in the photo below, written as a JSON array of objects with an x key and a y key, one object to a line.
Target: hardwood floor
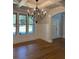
[{"x": 39, "y": 49}]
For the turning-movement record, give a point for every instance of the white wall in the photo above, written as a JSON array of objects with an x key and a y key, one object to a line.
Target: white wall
[
  {"x": 48, "y": 28},
  {"x": 22, "y": 38},
  {"x": 43, "y": 32}
]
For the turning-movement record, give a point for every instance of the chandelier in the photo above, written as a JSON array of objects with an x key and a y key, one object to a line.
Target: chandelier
[{"x": 38, "y": 14}]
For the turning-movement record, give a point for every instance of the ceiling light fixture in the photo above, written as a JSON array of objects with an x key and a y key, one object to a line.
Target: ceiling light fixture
[{"x": 38, "y": 14}]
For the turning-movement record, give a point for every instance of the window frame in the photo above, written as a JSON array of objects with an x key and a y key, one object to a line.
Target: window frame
[
  {"x": 15, "y": 24},
  {"x": 25, "y": 24},
  {"x": 33, "y": 26}
]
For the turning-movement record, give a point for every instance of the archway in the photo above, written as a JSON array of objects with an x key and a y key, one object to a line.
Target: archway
[
  {"x": 57, "y": 25},
  {"x": 52, "y": 13}
]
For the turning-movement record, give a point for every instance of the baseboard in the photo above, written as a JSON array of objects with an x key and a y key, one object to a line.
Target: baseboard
[
  {"x": 60, "y": 38},
  {"x": 23, "y": 43},
  {"x": 30, "y": 42}
]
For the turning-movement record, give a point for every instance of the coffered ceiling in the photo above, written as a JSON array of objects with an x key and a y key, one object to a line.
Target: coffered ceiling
[{"x": 41, "y": 3}]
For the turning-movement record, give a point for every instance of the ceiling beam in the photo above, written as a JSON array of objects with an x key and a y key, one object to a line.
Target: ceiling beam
[
  {"x": 27, "y": 4},
  {"x": 48, "y": 3}
]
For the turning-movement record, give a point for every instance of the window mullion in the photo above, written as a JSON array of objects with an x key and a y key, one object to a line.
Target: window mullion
[{"x": 27, "y": 24}]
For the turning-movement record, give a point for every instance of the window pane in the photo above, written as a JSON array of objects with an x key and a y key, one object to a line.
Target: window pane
[
  {"x": 22, "y": 24},
  {"x": 31, "y": 24},
  {"x": 30, "y": 28},
  {"x": 14, "y": 23},
  {"x": 30, "y": 20}
]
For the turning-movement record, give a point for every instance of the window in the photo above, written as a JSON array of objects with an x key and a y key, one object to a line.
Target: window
[
  {"x": 22, "y": 24},
  {"x": 25, "y": 24},
  {"x": 14, "y": 23},
  {"x": 31, "y": 24}
]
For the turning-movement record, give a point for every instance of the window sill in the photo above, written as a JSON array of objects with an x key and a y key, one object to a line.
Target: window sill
[
  {"x": 22, "y": 33},
  {"x": 25, "y": 33}
]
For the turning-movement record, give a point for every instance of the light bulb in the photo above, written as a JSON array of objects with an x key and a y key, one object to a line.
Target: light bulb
[
  {"x": 32, "y": 13},
  {"x": 28, "y": 11},
  {"x": 42, "y": 10},
  {"x": 38, "y": 13},
  {"x": 34, "y": 9}
]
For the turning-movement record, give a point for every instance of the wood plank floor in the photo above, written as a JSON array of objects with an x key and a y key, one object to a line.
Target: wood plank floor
[{"x": 39, "y": 49}]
